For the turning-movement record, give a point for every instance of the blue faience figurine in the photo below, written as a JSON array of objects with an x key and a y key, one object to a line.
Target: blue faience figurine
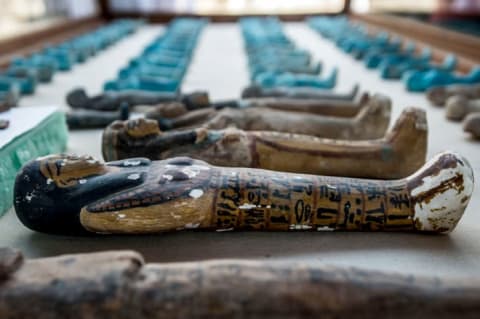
[{"x": 419, "y": 81}]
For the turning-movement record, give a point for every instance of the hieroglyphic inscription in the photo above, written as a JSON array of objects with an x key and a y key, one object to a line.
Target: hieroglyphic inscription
[
  {"x": 302, "y": 199},
  {"x": 228, "y": 201},
  {"x": 375, "y": 207},
  {"x": 280, "y": 201},
  {"x": 280, "y": 194},
  {"x": 327, "y": 210},
  {"x": 255, "y": 207},
  {"x": 399, "y": 212}
]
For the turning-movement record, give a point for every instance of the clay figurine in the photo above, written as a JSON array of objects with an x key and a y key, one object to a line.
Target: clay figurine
[
  {"x": 458, "y": 106},
  {"x": 471, "y": 124},
  {"x": 120, "y": 284},
  {"x": 371, "y": 121},
  {"x": 110, "y": 101},
  {"x": 69, "y": 194},
  {"x": 438, "y": 95},
  {"x": 254, "y": 91},
  {"x": 400, "y": 153},
  {"x": 89, "y": 119}
]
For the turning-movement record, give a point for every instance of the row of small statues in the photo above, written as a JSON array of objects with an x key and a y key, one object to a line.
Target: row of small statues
[
  {"x": 25, "y": 72},
  {"x": 280, "y": 159},
  {"x": 394, "y": 58},
  {"x": 461, "y": 102}
]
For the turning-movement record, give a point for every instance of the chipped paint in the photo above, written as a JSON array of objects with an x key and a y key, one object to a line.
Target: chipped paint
[
  {"x": 441, "y": 199},
  {"x": 167, "y": 177},
  {"x": 131, "y": 162},
  {"x": 300, "y": 227},
  {"x": 248, "y": 206},
  {"x": 195, "y": 193},
  {"x": 134, "y": 176},
  {"x": 224, "y": 229}
]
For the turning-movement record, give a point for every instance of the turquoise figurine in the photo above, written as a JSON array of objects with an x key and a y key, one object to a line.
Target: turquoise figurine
[
  {"x": 269, "y": 80},
  {"x": 419, "y": 81},
  {"x": 396, "y": 71}
]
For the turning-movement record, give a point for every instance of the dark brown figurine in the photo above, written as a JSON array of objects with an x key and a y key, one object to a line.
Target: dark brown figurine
[
  {"x": 400, "y": 153},
  {"x": 89, "y": 119},
  {"x": 111, "y": 101}
]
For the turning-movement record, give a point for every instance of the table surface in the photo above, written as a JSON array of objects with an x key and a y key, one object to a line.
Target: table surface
[{"x": 219, "y": 66}]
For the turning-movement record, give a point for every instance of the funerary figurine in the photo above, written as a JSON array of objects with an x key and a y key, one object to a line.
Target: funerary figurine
[
  {"x": 343, "y": 108},
  {"x": 370, "y": 122},
  {"x": 458, "y": 107},
  {"x": 111, "y": 100},
  {"x": 438, "y": 95},
  {"x": 69, "y": 194},
  {"x": 89, "y": 119},
  {"x": 254, "y": 91},
  {"x": 471, "y": 124},
  {"x": 400, "y": 153}
]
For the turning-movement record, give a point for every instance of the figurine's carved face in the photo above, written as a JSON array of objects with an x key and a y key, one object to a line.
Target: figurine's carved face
[
  {"x": 140, "y": 127},
  {"x": 69, "y": 170}
]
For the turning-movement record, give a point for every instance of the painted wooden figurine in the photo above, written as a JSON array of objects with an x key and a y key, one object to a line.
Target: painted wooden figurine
[
  {"x": 400, "y": 153},
  {"x": 69, "y": 194},
  {"x": 369, "y": 123}
]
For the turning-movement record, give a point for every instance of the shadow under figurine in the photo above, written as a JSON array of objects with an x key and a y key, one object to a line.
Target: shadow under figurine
[
  {"x": 67, "y": 194},
  {"x": 399, "y": 153}
]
